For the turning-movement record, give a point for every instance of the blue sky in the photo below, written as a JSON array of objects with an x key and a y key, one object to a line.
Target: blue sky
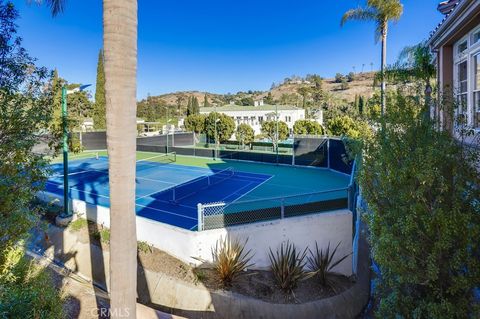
[{"x": 220, "y": 45}]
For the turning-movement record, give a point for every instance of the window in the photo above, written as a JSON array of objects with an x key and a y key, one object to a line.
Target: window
[
  {"x": 476, "y": 90},
  {"x": 288, "y": 119},
  {"x": 462, "y": 47},
  {"x": 462, "y": 90},
  {"x": 476, "y": 37},
  {"x": 260, "y": 119}
]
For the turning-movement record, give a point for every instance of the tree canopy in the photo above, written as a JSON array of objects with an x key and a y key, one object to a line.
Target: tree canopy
[
  {"x": 244, "y": 134},
  {"x": 346, "y": 126},
  {"x": 307, "y": 127},
  {"x": 195, "y": 123},
  {"x": 224, "y": 128},
  {"x": 269, "y": 129},
  {"x": 26, "y": 108}
]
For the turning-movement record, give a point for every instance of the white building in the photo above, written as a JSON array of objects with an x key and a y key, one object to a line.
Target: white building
[
  {"x": 87, "y": 125},
  {"x": 256, "y": 115}
]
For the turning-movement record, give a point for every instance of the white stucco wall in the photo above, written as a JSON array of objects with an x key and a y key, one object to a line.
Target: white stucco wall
[
  {"x": 190, "y": 246},
  {"x": 287, "y": 116}
]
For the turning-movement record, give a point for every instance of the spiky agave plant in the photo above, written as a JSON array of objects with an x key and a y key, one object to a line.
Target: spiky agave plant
[
  {"x": 288, "y": 266},
  {"x": 321, "y": 264},
  {"x": 230, "y": 259}
]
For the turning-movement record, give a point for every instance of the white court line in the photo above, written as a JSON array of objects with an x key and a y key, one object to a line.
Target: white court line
[
  {"x": 71, "y": 174},
  {"x": 251, "y": 190},
  {"x": 236, "y": 192},
  {"x": 154, "y": 180},
  {"x": 105, "y": 171},
  {"x": 104, "y": 196},
  {"x": 164, "y": 211}
]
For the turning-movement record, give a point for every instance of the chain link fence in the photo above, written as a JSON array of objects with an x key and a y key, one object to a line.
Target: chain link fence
[{"x": 220, "y": 215}]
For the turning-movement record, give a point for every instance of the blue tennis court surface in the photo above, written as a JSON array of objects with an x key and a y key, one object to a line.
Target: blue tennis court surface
[{"x": 168, "y": 193}]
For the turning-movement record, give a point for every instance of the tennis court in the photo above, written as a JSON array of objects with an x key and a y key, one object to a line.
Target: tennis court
[{"x": 169, "y": 187}]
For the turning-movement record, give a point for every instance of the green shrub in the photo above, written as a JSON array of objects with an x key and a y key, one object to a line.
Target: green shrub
[
  {"x": 288, "y": 266},
  {"x": 26, "y": 289},
  {"x": 230, "y": 259},
  {"x": 422, "y": 190}
]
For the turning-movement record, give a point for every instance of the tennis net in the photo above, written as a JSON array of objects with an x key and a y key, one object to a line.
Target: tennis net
[
  {"x": 170, "y": 157},
  {"x": 188, "y": 189}
]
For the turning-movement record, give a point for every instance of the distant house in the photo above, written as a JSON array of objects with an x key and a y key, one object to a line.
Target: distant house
[
  {"x": 258, "y": 102},
  {"x": 87, "y": 124},
  {"x": 317, "y": 115},
  {"x": 456, "y": 43},
  {"x": 256, "y": 115}
]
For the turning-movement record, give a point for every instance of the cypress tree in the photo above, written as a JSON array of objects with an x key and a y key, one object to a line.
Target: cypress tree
[
  {"x": 205, "y": 101},
  {"x": 361, "y": 105},
  {"x": 195, "y": 106},
  {"x": 57, "y": 100},
  {"x": 189, "y": 106},
  {"x": 99, "y": 113}
]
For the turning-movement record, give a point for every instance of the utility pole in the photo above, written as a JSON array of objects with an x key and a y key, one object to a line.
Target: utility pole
[
  {"x": 276, "y": 135},
  {"x": 65, "y": 218},
  {"x": 166, "y": 125},
  {"x": 66, "y": 209}
]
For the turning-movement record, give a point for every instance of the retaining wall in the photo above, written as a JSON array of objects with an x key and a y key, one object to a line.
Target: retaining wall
[{"x": 190, "y": 246}]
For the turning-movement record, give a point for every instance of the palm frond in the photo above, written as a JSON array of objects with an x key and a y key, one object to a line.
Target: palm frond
[
  {"x": 56, "y": 6},
  {"x": 359, "y": 14}
]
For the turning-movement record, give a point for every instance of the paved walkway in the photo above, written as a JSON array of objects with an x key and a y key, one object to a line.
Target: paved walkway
[{"x": 85, "y": 301}]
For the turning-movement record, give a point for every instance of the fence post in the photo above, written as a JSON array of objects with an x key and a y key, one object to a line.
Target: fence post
[
  {"x": 200, "y": 216},
  {"x": 328, "y": 152},
  {"x": 282, "y": 208},
  {"x": 293, "y": 151}
]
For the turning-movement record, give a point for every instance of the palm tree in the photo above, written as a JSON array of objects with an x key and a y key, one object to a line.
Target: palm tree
[
  {"x": 381, "y": 12},
  {"x": 415, "y": 63},
  {"x": 120, "y": 54}
]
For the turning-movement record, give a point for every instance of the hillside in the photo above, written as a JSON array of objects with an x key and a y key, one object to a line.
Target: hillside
[
  {"x": 287, "y": 93},
  {"x": 361, "y": 85}
]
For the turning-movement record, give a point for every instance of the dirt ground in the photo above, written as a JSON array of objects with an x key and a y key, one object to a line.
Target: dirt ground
[{"x": 257, "y": 284}]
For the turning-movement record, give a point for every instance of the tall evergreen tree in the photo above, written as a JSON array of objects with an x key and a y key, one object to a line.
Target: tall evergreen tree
[
  {"x": 361, "y": 104},
  {"x": 189, "y": 106},
  {"x": 99, "y": 115},
  {"x": 205, "y": 101},
  {"x": 57, "y": 83},
  {"x": 195, "y": 106}
]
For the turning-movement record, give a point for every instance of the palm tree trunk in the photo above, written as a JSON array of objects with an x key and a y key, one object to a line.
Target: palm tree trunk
[
  {"x": 428, "y": 99},
  {"x": 120, "y": 45},
  {"x": 383, "y": 67}
]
